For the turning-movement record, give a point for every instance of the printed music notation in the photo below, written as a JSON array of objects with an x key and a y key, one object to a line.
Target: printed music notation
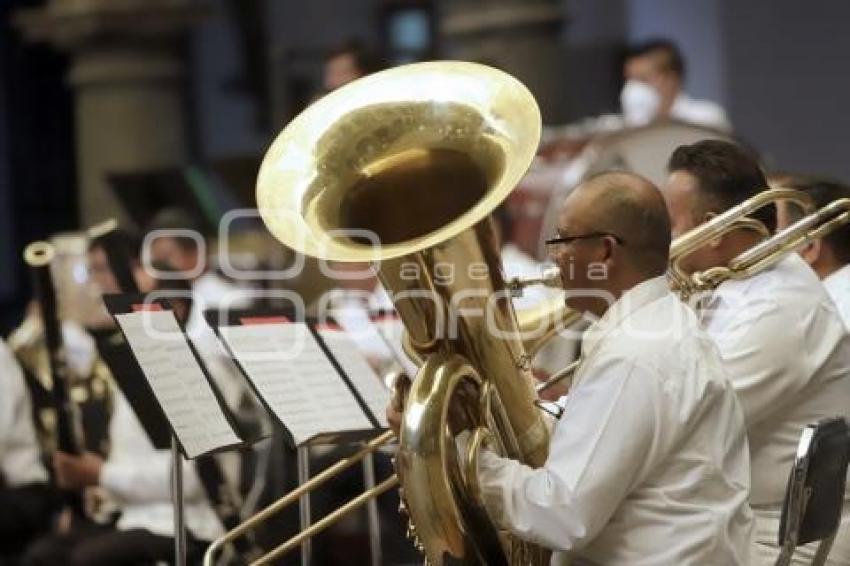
[
  {"x": 297, "y": 381},
  {"x": 177, "y": 381},
  {"x": 374, "y": 393}
]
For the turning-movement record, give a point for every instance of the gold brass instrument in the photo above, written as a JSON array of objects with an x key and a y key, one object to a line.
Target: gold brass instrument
[
  {"x": 404, "y": 168},
  {"x": 736, "y": 218},
  {"x": 811, "y": 227},
  {"x": 815, "y": 224}
]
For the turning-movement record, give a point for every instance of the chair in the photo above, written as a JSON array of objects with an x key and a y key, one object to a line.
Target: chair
[{"x": 815, "y": 494}]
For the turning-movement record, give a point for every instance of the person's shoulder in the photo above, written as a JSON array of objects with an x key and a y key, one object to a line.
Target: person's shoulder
[
  {"x": 213, "y": 289},
  {"x": 795, "y": 282},
  {"x": 8, "y": 363},
  {"x": 654, "y": 333},
  {"x": 788, "y": 302},
  {"x": 702, "y": 112}
]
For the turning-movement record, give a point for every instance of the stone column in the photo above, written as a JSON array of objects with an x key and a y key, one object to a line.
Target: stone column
[
  {"x": 521, "y": 37},
  {"x": 127, "y": 71}
]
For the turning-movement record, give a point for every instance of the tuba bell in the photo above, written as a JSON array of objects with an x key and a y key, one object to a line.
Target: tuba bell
[{"x": 402, "y": 169}]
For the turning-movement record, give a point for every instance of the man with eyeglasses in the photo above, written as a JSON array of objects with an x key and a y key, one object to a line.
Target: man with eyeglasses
[
  {"x": 648, "y": 463},
  {"x": 781, "y": 338}
]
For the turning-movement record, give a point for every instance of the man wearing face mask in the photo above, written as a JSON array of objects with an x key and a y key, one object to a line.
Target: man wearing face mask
[{"x": 654, "y": 72}]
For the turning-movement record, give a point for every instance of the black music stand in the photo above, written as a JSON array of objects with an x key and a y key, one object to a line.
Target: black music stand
[
  {"x": 815, "y": 494},
  {"x": 152, "y": 414}
]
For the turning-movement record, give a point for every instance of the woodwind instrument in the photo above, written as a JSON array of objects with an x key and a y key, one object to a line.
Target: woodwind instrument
[{"x": 69, "y": 433}]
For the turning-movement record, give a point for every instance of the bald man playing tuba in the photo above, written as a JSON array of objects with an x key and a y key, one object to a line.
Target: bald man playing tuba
[{"x": 648, "y": 463}]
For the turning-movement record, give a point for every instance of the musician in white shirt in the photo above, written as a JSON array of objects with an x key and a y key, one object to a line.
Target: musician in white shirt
[
  {"x": 25, "y": 500},
  {"x": 655, "y": 73},
  {"x": 784, "y": 345},
  {"x": 829, "y": 256},
  {"x": 135, "y": 475},
  {"x": 653, "y": 90},
  {"x": 648, "y": 464}
]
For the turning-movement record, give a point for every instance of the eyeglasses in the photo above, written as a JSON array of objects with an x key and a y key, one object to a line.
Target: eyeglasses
[{"x": 568, "y": 239}]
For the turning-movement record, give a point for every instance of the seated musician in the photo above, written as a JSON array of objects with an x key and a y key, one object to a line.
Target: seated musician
[
  {"x": 136, "y": 476},
  {"x": 25, "y": 500},
  {"x": 649, "y": 463},
  {"x": 829, "y": 256},
  {"x": 655, "y": 72},
  {"x": 783, "y": 343},
  {"x": 653, "y": 90}
]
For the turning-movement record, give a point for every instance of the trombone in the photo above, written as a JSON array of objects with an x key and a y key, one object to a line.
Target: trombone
[
  {"x": 736, "y": 218},
  {"x": 815, "y": 224},
  {"x": 293, "y": 497}
]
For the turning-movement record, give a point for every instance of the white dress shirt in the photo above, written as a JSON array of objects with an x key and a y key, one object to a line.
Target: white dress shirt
[
  {"x": 788, "y": 354},
  {"x": 838, "y": 286},
  {"x": 649, "y": 463},
  {"x": 20, "y": 455},
  {"x": 700, "y": 112},
  {"x": 138, "y": 476}
]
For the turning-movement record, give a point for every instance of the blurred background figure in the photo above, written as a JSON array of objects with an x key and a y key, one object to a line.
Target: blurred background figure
[
  {"x": 26, "y": 501},
  {"x": 350, "y": 61},
  {"x": 654, "y": 72},
  {"x": 132, "y": 473}
]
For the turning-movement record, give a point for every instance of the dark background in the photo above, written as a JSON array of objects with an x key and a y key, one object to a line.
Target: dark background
[{"x": 779, "y": 67}]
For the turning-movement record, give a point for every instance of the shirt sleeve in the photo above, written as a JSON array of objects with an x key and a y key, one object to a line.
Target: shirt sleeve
[
  {"x": 771, "y": 354},
  {"x": 20, "y": 454},
  {"x": 148, "y": 480},
  {"x": 600, "y": 449}
]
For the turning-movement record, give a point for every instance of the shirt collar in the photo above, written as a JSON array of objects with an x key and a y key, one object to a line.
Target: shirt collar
[
  {"x": 837, "y": 280},
  {"x": 629, "y": 303}
]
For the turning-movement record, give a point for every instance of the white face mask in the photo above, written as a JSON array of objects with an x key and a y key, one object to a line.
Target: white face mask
[{"x": 640, "y": 103}]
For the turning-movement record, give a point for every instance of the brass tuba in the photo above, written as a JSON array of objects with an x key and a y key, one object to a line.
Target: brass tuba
[{"x": 403, "y": 168}]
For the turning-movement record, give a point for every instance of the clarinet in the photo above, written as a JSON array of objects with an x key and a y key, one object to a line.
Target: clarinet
[{"x": 69, "y": 434}]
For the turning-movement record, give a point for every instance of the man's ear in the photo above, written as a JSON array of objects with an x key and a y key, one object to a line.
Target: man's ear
[
  {"x": 609, "y": 244},
  {"x": 811, "y": 252}
]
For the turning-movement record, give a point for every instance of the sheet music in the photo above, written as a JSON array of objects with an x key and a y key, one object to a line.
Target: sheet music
[
  {"x": 391, "y": 330},
  {"x": 294, "y": 377},
  {"x": 373, "y": 391},
  {"x": 177, "y": 381}
]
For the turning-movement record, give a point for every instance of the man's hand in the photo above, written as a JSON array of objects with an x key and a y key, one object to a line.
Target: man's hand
[
  {"x": 394, "y": 418},
  {"x": 77, "y": 472},
  {"x": 398, "y": 397}
]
